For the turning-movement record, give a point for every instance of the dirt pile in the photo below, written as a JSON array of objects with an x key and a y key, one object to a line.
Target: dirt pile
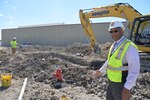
[
  {"x": 38, "y": 64},
  {"x": 78, "y": 48}
]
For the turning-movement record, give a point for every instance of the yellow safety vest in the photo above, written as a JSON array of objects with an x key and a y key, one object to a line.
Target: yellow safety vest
[
  {"x": 115, "y": 65},
  {"x": 13, "y": 44}
]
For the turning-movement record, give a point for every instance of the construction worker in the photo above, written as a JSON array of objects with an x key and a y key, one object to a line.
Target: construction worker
[
  {"x": 122, "y": 65},
  {"x": 13, "y": 44}
]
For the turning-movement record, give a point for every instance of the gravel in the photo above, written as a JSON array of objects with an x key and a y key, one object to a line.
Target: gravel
[{"x": 38, "y": 64}]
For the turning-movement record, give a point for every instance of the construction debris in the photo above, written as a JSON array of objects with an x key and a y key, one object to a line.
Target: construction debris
[{"x": 38, "y": 64}]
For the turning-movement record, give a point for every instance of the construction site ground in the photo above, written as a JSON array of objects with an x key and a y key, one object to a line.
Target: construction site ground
[{"x": 38, "y": 63}]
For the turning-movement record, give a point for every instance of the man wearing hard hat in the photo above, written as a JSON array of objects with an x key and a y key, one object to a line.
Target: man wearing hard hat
[
  {"x": 122, "y": 65},
  {"x": 13, "y": 44}
]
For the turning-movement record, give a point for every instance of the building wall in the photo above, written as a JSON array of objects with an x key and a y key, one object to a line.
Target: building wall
[
  {"x": 0, "y": 43},
  {"x": 57, "y": 35}
]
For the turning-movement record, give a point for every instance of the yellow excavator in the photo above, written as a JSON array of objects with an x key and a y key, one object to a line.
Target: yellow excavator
[{"x": 138, "y": 24}]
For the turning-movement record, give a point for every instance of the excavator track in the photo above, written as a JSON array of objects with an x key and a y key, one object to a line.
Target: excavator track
[{"x": 145, "y": 62}]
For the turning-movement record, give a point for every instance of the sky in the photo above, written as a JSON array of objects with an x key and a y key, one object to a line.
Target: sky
[{"x": 15, "y": 13}]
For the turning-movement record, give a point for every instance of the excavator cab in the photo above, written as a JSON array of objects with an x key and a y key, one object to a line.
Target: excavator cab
[{"x": 140, "y": 33}]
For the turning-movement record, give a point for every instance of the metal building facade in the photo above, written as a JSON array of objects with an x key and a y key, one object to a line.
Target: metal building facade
[{"x": 56, "y": 35}]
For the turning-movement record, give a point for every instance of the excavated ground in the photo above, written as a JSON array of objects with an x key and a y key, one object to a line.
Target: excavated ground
[{"x": 38, "y": 64}]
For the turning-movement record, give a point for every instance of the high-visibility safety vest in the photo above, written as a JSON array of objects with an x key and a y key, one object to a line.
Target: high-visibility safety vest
[
  {"x": 13, "y": 44},
  {"x": 115, "y": 66}
]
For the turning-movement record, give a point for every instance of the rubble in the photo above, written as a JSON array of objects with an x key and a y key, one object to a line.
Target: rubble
[{"x": 38, "y": 64}]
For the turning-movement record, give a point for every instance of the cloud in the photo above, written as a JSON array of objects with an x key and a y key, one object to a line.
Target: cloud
[
  {"x": 10, "y": 5},
  {"x": 6, "y": 1},
  {"x": 8, "y": 19},
  {"x": 1, "y": 14},
  {"x": 14, "y": 8},
  {"x": 11, "y": 19}
]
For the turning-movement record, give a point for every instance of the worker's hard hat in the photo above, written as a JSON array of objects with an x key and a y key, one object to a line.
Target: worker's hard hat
[
  {"x": 116, "y": 24},
  {"x": 14, "y": 38}
]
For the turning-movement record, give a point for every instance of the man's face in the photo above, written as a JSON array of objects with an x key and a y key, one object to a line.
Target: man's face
[{"x": 116, "y": 33}]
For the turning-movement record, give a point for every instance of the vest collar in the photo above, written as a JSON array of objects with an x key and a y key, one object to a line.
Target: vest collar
[{"x": 119, "y": 42}]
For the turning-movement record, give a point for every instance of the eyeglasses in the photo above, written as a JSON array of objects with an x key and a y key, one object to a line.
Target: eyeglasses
[{"x": 115, "y": 31}]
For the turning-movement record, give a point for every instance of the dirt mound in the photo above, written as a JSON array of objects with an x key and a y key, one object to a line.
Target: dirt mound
[
  {"x": 38, "y": 64},
  {"x": 79, "y": 48},
  {"x": 105, "y": 49}
]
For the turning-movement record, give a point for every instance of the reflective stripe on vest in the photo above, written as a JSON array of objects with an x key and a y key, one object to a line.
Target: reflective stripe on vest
[
  {"x": 124, "y": 68},
  {"x": 115, "y": 65},
  {"x": 121, "y": 50}
]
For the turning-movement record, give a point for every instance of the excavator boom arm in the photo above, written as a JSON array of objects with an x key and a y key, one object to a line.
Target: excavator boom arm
[{"x": 121, "y": 10}]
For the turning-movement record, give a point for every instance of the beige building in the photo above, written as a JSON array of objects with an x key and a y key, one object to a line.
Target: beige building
[{"x": 56, "y": 35}]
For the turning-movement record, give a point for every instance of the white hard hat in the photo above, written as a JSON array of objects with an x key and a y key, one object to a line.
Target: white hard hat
[
  {"x": 14, "y": 38},
  {"x": 115, "y": 24}
]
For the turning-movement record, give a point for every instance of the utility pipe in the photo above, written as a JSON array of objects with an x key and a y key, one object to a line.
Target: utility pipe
[{"x": 22, "y": 90}]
